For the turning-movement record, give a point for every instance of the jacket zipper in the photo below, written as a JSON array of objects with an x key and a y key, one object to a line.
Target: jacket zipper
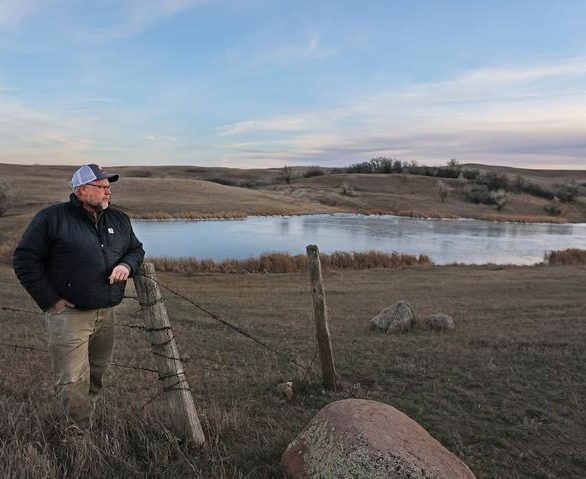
[{"x": 102, "y": 246}]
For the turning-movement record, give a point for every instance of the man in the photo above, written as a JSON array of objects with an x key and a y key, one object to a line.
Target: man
[{"x": 74, "y": 259}]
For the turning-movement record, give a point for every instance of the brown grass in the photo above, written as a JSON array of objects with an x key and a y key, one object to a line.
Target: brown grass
[
  {"x": 522, "y": 219},
  {"x": 570, "y": 256},
  {"x": 189, "y": 215},
  {"x": 165, "y": 192},
  {"x": 504, "y": 391},
  {"x": 6, "y": 250},
  {"x": 286, "y": 263}
]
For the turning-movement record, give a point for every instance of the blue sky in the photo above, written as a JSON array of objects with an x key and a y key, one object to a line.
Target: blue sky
[{"x": 264, "y": 83}]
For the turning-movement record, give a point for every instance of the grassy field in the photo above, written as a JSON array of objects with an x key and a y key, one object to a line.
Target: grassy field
[{"x": 505, "y": 391}]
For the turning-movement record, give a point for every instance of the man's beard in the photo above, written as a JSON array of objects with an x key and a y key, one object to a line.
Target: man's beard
[{"x": 101, "y": 206}]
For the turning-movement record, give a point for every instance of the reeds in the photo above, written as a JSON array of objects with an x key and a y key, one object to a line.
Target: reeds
[
  {"x": 188, "y": 215},
  {"x": 566, "y": 256},
  {"x": 522, "y": 219},
  {"x": 286, "y": 263}
]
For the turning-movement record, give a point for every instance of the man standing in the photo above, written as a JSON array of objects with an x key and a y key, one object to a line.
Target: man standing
[{"x": 74, "y": 259}]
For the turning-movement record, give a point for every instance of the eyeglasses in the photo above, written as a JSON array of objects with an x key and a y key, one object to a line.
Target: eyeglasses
[{"x": 106, "y": 187}]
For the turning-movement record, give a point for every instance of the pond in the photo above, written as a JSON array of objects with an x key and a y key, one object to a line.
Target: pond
[{"x": 445, "y": 241}]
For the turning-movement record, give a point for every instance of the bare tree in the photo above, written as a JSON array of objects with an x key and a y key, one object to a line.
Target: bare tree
[
  {"x": 287, "y": 174},
  {"x": 443, "y": 191}
]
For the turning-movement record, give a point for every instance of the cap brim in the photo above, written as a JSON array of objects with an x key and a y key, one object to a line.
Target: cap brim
[{"x": 111, "y": 178}]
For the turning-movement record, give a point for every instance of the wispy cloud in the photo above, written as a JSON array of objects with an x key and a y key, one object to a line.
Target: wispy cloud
[
  {"x": 13, "y": 12},
  {"x": 490, "y": 114},
  {"x": 31, "y": 135},
  {"x": 131, "y": 17},
  {"x": 119, "y": 18},
  {"x": 307, "y": 47}
]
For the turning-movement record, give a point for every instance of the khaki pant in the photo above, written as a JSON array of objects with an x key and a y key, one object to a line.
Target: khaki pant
[{"x": 81, "y": 345}]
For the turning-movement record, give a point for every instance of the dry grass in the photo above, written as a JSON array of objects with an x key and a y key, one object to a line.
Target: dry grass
[
  {"x": 504, "y": 391},
  {"x": 570, "y": 256},
  {"x": 177, "y": 191},
  {"x": 286, "y": 263},
  {"x": 523, "y": 219},
  {"x": 6, "y": 250},
  {"x": 189, "y": 215}
]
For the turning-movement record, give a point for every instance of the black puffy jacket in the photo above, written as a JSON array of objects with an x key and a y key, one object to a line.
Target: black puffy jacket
[{"x": 65, "y": 254}]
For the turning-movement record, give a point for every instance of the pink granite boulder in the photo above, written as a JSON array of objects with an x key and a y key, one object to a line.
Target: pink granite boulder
[{"x": 365, "y": 439}]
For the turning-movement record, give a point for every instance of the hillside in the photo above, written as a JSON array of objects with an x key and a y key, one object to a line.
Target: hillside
[{"x": 192, "y": 192}]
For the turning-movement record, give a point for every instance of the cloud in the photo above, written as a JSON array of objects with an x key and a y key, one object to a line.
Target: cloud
[
  {"x": 13, "y": 12},
  {"x": 118, "y": 18},
  {"x": 494, "y": 115},
  {"x": 132, "y": 17},
  {"x": 308, "y": 47},
  {"x": 29, "y": 135}
]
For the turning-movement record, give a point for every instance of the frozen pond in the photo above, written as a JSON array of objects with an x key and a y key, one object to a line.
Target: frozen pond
[{"x": 445, "y": 241}]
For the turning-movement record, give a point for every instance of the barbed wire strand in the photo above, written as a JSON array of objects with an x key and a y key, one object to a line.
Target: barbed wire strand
[
  {"x": 44, "y": 350},
  {"x": 228, "y": 324},
  {"x": 146, "y": 329},
  {"x": 10, "y": 308}
]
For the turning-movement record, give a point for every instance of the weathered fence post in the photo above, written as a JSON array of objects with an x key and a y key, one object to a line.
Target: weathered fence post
[
  {"x": 164, "y": 347},
  {"x": 322, "y": 327}
]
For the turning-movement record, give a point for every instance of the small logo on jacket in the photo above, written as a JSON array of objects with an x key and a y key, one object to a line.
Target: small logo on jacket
[{"x": 111, "y": 231}]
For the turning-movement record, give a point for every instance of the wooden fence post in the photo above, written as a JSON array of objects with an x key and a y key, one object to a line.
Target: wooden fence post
[
  {"x": 322, "y": 328},
  {"x": 164, "y": 347}
]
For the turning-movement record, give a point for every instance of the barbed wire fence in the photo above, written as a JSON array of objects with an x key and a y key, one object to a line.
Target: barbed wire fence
[{"x": 180, "y": 384}]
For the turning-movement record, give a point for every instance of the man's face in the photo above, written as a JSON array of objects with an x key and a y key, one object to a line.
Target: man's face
[{"x": 96, "y": 194}]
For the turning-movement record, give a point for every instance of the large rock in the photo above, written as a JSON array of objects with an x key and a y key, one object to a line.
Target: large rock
[
  {"x": 439, "y": 322},
  {"x": 399, "y": 318},
  {"x": 365, "y": 439}
]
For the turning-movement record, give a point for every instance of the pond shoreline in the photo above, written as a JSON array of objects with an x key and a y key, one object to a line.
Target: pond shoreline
[
  {"x": 445, "y": 241},
  {"x": 194, "y": 216}
]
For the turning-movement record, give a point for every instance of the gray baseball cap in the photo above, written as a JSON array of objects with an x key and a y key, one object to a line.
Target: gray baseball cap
[{"x": 87, "y": 173}]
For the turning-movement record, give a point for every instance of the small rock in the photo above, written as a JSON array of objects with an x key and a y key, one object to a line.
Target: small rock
[
  {"x": 438, "y": 322},
  {"x": 368, "y": 440},
  {"x": 285, "y": 390},
  {"x": 399, "y": 318}
]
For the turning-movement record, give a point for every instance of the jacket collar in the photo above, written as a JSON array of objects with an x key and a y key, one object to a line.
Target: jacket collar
[{"x": 74, "y": 200}]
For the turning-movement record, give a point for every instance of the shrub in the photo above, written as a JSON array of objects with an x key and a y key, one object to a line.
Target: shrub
[
  {"x": 554, "y": 207},
  {"x": 314, "y": 171},
  {"x": 523, "y": 185},
  {"x": 567, "y": 192},
  {"x": 494, "y": 181},
  {"x": 481, "y": 194},
  {"x": 566, "y": 256},
  {"x": 471, "y": 174},
  {"x": 499, "y": 198},
  {"x": 377, "y": 165},
  {"x": 478, "y": 194},
  {"x": 347, "y": 189}
]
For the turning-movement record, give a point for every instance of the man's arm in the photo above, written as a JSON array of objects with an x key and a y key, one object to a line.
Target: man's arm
[{"x": 28, "y": 262}]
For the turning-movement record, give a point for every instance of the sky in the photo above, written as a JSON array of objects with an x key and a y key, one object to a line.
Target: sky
[{"x": 268, "y": 83}]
